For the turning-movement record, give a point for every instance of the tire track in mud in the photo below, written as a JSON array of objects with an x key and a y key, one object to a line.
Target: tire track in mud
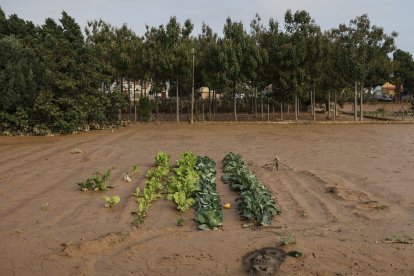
[
  {"x": 284, "y": 197},
  {"x": 303, "y": 198},
  {"x": 352, "y": 201}
]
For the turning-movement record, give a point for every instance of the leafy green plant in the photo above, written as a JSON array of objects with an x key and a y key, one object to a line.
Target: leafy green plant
[
  {"x": 153, "y": 186},
  {"x": 183, "y": 183},
  {"x": 286, "y": 239},
  {"x": 134, "y": 169},
  {"x": 209, "y": 213},
  {"x": 98, "y": 181},
  {"x": 180, "y": 222},
  {"x": 302, "y": 212},
  {"x": 256, "y": 203},
  {"x": 398, "y": 238},
  {"x": 111, "y": 201},
  {"x": 136, "y": 193}
]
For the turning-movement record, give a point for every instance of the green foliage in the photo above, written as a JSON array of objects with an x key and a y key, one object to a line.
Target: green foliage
[
  {"x": 144, "y": 107},
  {"x": 183, "y": 183},
  {"x": 180, "y": 222},
  {"x": 404, "y": 70},
  {"x": 209, "y": 213},
  {"x": 256, "y": 203},
  {"x": 286, "y": 239},
  {"x": 111, "y": 201},
  {"x": 162, "y": 160},
  {"x": 98, "y": 181},
  {"x": 52, "y": 79},
  {"x": 134, "y": 169},
  {"x": 49, "y": 81},
  {"x": 153, "y": 186}
]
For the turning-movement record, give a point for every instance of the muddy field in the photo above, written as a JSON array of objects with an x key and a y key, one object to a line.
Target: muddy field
[{"x": 349, "y": 202}]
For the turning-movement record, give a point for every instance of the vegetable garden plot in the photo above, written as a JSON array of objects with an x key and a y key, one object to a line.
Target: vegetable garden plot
[
  {"x": 256, "y": 203},
  {"x": 192, "y": 182}
]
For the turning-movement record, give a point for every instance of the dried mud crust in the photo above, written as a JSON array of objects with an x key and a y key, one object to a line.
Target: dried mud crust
[{"x": 265, "y": 261}]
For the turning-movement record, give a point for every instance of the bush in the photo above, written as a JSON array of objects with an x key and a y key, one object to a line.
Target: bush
[
  {"x": 18, "y": 122},
  {"x": 144, "y": 109}
]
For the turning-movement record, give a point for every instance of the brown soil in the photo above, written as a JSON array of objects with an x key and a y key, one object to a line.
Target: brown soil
[{"x": 351, "y": 188}]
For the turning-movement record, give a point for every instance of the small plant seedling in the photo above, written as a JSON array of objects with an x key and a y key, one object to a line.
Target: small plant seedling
[
  {"x": 302, "y": 213},
  {"x": 111, "y": 201},
  {"x": 398, "y": 239},
  {"x": 98, "y": 181},
  {"x": 286, "y": 239},
  {"x": 134, "y": 169},
  {"x": 137, "y": 192},
  {"x": 381, "y": 207},
  {"x": 45, "y": 206},
  {"x": 180, "y": 222}
]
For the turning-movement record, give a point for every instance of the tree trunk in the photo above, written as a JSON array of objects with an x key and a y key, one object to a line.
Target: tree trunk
[
  {"x": 129, "y": 100},
  {"x": 214, "y": 103},
  {"x": 235, "y": 105},
  {"x": 156, "y": 106},
  {"x": 314, "y": 104},
  {"x": 335, "y": 108},
  {"x": 261, "y": 104},
  {"x": 268, "y": 110},
  {"x": 202, "y": 109},
  {"x": 281, "y": 110},
  {"x": 296, "y": 105},
  {"x": 360, "y": 106},
  {"x": 355, "y": 102},
  {"x": 311, "y": 103},
  {"x": 192, "y": 93},
  {"x": 255, "y": 102},
  {"x": 329, "y": 104},
  {"x": 177, "y": 100},
  {"x": 135, "y": 105},
  {"x": 209, "y": 104}
]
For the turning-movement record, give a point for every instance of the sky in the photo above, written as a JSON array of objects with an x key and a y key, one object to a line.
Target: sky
[{"x": 392, "y": 15}]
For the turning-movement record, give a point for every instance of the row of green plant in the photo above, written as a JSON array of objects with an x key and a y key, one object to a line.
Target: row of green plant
[
  {"x": 184, "y": 182},
  {"x": 256, "y": 203},
  {"x": 209, "y": 213},
  {"x": 154, "y": 186}
]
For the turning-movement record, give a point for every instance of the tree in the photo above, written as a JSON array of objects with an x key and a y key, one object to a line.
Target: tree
[
  {"x": 301, "y": 53},
  {"x": 404, "y": 70}
]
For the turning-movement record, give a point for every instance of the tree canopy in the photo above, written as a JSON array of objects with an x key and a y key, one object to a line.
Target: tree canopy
[{"x": 53, "y": 78}]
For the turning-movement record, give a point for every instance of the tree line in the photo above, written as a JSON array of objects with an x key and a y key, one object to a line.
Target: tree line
[{"x": 53, "y": 78}]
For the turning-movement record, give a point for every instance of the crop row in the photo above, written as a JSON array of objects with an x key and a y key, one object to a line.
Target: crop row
[
  {"x": 256, "y": 203},
  {"x": 153, "y": 186},
  {"x": 183, "y": 183},
  {"x": 209, "y": 213}
]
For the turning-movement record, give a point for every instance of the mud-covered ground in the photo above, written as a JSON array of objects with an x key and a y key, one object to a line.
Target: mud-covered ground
[{"x": 352, "y": 187}]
